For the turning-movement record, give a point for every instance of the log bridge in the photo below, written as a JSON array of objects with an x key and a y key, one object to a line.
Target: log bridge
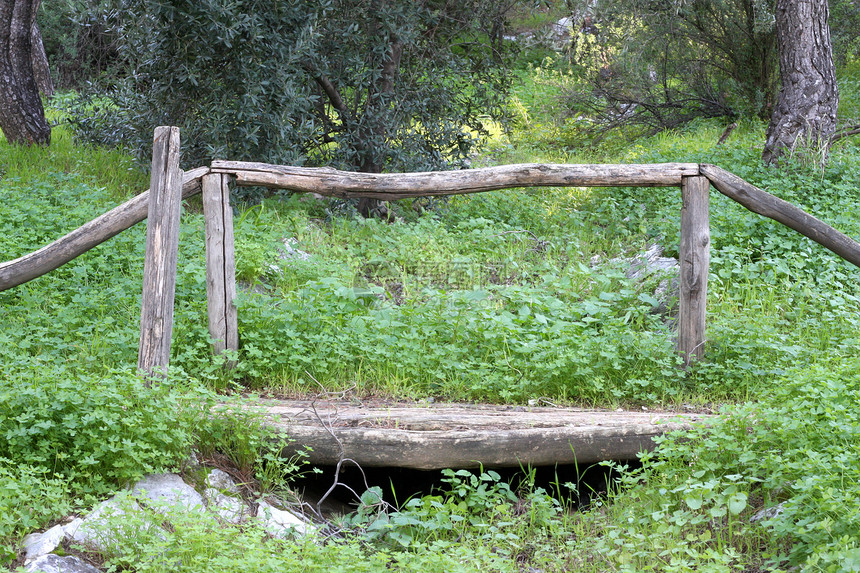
[
  {"x": 435, "y": 436},
  {"x": 533, "y": 436}
]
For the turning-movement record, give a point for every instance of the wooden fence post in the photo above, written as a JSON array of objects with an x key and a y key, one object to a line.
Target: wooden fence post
[
  {"x": 220, "y": 263},
  {"x": 695, "y": 259},
  {"x": 162, "y": 246}
]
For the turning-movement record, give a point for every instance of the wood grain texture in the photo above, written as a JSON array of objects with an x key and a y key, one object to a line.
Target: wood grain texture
[
  {"x": 220, "y": 264},
  {"x": 162, "y": 248},
  {"x": 763, "y": 203},
  {"x": 465, "y": 435},
  {"x": 84, "y": 238},
  {"x": 695, "y": 261},
  {"x": 390, "y": 186}
]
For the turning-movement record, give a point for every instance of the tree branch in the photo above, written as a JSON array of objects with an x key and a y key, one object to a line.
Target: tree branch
[
  {"x": 846, "y": 132},
  {"x": 330, "y": 91}
]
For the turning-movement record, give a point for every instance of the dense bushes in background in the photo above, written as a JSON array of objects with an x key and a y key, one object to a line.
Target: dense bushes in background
[{"x": 351, "y": 83}]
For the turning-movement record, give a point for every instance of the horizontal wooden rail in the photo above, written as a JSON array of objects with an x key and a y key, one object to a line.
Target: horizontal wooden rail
[
  {"x": 391, "y": 186},
  {"x": 84, "y": 238}
]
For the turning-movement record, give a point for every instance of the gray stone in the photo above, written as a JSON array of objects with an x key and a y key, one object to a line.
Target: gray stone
[
  {"x": 227, "y": 507},
  {"x": 51, "y": 563},
  {"x": 168, "y": 490},
  {"x": 651, "y": 262},
  {"x": 224, "y": 499},
  {"x": 101, "y": 531},
  {"x": 282, "y": 523},
  {"x": 129, "y": 514},
  {"x": 562, "y": 29},
  {"x": 291, "y": 252},
  {"x": 193, "y": 462},
  {"x": 37, "y": 544},
  {"x": 222, "y": 481},
  {"x": 93, "y": 530},
  {"x": 768, "y": 513}
]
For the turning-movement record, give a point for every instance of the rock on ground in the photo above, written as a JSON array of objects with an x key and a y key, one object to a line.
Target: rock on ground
[
  {"x": 101, "y": 531},
  {"x": 51, "y": 563}
]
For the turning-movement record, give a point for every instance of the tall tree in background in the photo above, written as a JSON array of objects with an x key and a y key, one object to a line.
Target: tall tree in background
[
  {"x": 804, "y": 118},
  {"x": 22, "y": 117}
]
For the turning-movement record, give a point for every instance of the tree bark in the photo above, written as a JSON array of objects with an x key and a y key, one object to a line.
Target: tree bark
[
  {"x": 22, "y": 117},
  {"x": 804, "y": 119},
  {"x": 384, "y": 87},
  {"x": 41, "y": 70}
]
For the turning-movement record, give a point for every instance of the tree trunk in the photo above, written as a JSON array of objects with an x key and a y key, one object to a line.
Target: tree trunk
[
  {"x": 383, "y": 87},
  {"x": 41, "y": 71},
  {"x": 22, "y": 117},
  {"x": 804, "y": 119}
]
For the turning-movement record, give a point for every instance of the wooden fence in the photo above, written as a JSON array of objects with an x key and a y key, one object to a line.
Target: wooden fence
[{"x": 169, "y": 186}]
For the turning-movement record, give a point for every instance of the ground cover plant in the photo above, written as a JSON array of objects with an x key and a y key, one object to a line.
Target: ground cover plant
[{"x": 500, "y": 297}]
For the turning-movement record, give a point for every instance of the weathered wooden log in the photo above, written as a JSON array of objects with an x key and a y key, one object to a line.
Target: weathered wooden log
[
  {"x": 389, "y": 186},
  {"x": 84, "y": 238},
  {"x": 763, "y": 203},
  {"x": 162, "y": 250},
  {"x": 695, "y": 260},
  {"x": 466, "y": 435},
  {"x": 220, "y": 263}
]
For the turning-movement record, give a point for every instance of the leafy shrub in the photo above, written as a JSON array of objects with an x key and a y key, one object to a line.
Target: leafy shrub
[
  {"x": 29, "y": 498},
  {"x": 796, "y": 452},
  {"x": 344, "y": 83},
  {"x": 97, "y": 432}
]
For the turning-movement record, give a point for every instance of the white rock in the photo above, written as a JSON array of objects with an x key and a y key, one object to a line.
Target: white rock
[
  {"x": 51, "y": 563},
  {"x": 38, "y": 544},
  {"x": 70, "y": 528},
  {"x": 281, "y": 523},
  {"x": 651, "y": 261},
  {"x": 291, "y": 252},
  {"x": 193, "y": 462},
  {"x": 168, "y": 490},
  {"x": 223, "y": 497},
  {"x": 102, "y": 531},
  {"x": 222, "y": 481},
  {"x": 92, "y": 531},
  {"x": 227, "y": 507},
  {"x": 768, "y": 513}
]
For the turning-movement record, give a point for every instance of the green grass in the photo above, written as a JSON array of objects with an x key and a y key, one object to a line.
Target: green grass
[{"x": 489, "y": 297}]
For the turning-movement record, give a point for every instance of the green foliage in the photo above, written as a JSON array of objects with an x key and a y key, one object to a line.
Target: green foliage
[
  {"x": 491, "y": 297},
  {"x": 226, "y": 73},
  {"x": 654, "y": 66},
  {"x": 843, "y": 22},
  {"x": 408, "y": 86},
  {"x": 795, "y": 453},
  {"x": 29, "y": 498},
  {"x": 849, "y": 93},
  {"x": 479, "y": 506},
  {"x": 79, "y": 37},
  {"x": 67, "y": 440},
  {"x": 59, "y": 426},
  {"x": 196, "y": 543},
  {"x": 471, "y": 512},
  {"x": 349, "y": 83}
]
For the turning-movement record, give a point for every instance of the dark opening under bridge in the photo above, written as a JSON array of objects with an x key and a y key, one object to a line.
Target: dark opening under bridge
[{"x": 440, "y": 436}]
